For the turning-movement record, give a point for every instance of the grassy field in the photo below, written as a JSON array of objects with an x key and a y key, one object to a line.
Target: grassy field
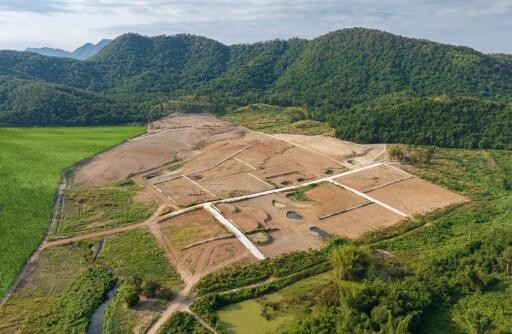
[
  {"x": 67, "y": 284},
  {"x": 183, "y": 323},
  {"x": 31, "y": 161},
  {"x": 59, "y": 295},
  {"x": 90, "y": 209},
  {"x": 274, "y": 119},
  {"x": 275, "y": 312},
  {"x": 485, "y": 177},
  {"x": 135, "y": 254}
]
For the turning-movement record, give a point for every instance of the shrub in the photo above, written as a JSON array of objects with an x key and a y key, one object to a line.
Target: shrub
[{"x": 350, "y": 262}]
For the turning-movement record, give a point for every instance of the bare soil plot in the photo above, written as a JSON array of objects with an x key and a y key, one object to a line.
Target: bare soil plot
[
  {"x": 414, "y": 196},
  {"x": 235, "y": 185},
  {"x": 192, "y": 227},
  {"x": 184, "y": 192},
  {"x": 176, "y": 135},
  {"x": 359, "y": 155},
  {"x": 185, "y": 234},
  {"x": 372, "y": 178},
  {"x": 213, "y": 255},
  {"x": 261, "y": 213},
  {"x": 227, "y": 168},
  {"x": 355, "y": 223},
  {"x": 213, "y": 154},
  {"x": 265, "y": 152},
  {"x": 186, "y": 120},
  {"x": 311, "y": 163},
  {"x": 328, "y": 198},
  {"x": 283, "y": 175},
  {"x": 247, "y": 218}
]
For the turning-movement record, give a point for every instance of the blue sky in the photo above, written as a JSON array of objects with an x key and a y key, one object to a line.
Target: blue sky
[{"x": 485, "y": 25}]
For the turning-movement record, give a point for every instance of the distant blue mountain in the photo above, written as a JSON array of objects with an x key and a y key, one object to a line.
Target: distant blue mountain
[{"x": 85, "y": 51}]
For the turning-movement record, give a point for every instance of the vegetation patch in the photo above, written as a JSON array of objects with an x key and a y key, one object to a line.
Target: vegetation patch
[
  {"x": 448, "y": 273},
  {"x": 300, "y": 195},
  {"x": 183, "y": 323},
  {"x": 464, "y": 122},
  {"x": 240, "y": 275},
  {"x": 207, "y": 306},
  {"x": 60, "y": 294},
  {"x": 31, "y": 161},
  {"x": 90, "y": 208},
  {"x": 145, "y": 279},
  {"x": 276, "y": 119},
  {"x": 275, "y": 312}
]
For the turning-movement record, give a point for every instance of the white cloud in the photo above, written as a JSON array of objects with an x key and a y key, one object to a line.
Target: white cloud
[{"x": 67, "y": 24}]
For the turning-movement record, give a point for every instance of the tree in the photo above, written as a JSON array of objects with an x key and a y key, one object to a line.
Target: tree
[
  {"x": 397, "y": 325},
  {"x": 474, "y": 321},
  {"x": 395, "y": 153},
  {"x": 130, "y": 294},
  {"x": 350, "y": 262},
  {"x": 507, "y": 259}
]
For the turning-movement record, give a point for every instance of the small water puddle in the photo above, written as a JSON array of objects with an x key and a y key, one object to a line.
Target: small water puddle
[
  {"x": 96, "y": 324},
  {"x": 321, "y": 233},
  {"x": 293, "y": 215}
]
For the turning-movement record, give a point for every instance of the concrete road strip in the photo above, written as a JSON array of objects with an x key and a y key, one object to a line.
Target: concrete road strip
[{"x": 239, "y": 235}]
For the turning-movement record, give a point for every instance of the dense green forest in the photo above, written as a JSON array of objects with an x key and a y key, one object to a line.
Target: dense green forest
[
  {"x": 442, "y": 121},
  {"x": 348, "y": 77}
]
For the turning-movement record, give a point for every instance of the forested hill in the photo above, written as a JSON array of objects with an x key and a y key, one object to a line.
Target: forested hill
[{"x": 329, "y": 75}]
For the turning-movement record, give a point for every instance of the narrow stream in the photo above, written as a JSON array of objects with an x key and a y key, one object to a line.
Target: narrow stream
[{"x": 96, "y": 324}]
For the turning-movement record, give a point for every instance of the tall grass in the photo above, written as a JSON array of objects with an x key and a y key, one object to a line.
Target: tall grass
[{"x": 31, "y": 161}]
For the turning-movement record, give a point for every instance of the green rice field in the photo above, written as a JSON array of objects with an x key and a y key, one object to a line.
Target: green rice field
[{"x": 31, "y": 161}]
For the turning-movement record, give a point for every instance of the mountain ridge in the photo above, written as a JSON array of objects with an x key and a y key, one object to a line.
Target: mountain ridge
[
  {"x": 328, "y": 75},
  {"x": 83, "y": 52}
]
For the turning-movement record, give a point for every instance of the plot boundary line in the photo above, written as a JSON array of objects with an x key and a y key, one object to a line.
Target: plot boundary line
[
  {"x": 200, "y": 186},
  {"x": 303, "y": 147},
  {"x": 262, "y": 181},
  {"x": 398, "y": 169},
  {"x": 376, "y": 201},
  {"x": 245, "y": 163},
  {"x": 170, "y": 215},
  {"x": 388, "y": 184}
]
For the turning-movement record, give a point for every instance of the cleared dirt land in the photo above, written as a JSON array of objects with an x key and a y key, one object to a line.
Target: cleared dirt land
[
  {"x": 373, "y": 178},
  {"x": 415, "y": 196},
  {"x": 201, "y": 244},
  {"x": 351, "y": 153},
  {"x": 194, "y": 168}
]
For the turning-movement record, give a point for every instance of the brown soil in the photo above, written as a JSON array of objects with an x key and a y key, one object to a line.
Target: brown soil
[
  {"x": 369, "y": 179},
  {"x": 360, "y": 155},
  {"x": 354, "y": 224},
  {"x": 191, "y": 227},
  {"x": 235, "y": 185},
  {"x": 227, "y": 168},
  {"x": 183, "y": 192},
  {"x": 416, "y": 196},
  {"x": 248, "y": 218},
  {"x": 328, "y": 198},
  {"x": 174, "y": 135},
  {"x": 177, "y": 120},
  {"x": 261, "y": 213}
]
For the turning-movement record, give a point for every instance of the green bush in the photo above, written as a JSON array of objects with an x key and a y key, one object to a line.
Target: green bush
[{"x": 183, "y": 323}]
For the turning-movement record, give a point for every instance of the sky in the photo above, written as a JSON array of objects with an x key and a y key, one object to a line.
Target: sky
[{"x": 485, "y": 25}]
